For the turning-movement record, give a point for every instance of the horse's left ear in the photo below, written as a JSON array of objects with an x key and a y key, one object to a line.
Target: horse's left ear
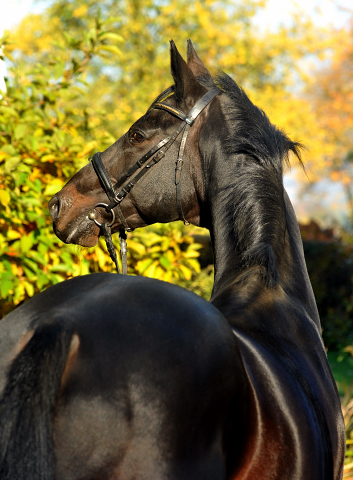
[
  {"x": 185, "y": 81},
  {"x": 195, "y": 64}
]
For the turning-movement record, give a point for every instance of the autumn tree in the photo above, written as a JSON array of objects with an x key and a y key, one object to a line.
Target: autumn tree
[
  {"x": 80, "y": 75},
  {"x": 44, "y": 139},
  {"x": 266, "y": 64},
  {"x": 331, "y": 93}
]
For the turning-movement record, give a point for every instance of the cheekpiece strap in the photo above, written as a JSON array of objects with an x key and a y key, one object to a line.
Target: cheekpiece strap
[
  {"x": 103, "y": 175},
  {"x": 201, "y": 104}
]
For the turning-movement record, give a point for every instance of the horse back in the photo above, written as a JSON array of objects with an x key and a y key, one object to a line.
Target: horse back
[{"x": 142, "y": 383}]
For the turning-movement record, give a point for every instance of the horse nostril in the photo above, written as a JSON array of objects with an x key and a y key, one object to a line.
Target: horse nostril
[{"x": 54, "y": 207}]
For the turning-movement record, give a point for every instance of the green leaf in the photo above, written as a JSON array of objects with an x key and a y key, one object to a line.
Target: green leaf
[
  {"x": 20, "y": 131},
  {"x": 9, "y": 111},
  {"x": 8, "y": 149},
  {"x": 165, "y": 262},
  {"x": 30, "y": 201},
  {"x": 42, "y": 281},
  {"x": 5, "y": 286},
  {"x": 31, "y": 264},
  {"x": 58, "y": 70},
  {"x": 29, "y": 274},
  {"x": 21, "y": 178},
  {"x": 26, "y": 243},
  {"x": 11, "y": 163},
  {"x": 40, "y": 221},
  {"x": 144, "y": 264},
  {"x": 60, "y": 268},
  {"x": 37, "y": 257},
  {"x": 57, "y": 278},
  {"x": 46, "y": 240},
  {"x": 42, "y": 248}
]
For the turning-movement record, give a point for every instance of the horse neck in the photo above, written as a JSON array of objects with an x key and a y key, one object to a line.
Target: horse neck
[{"x": 274, "y": 233}]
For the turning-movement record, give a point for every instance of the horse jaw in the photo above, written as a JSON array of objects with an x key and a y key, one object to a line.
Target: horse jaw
[{"x": 81, "y": 234}]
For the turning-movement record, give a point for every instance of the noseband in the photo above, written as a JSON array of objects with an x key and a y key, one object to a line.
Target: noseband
[{"x": 116, "y": 196}]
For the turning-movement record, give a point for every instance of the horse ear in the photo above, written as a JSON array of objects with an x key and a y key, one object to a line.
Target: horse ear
[
  {"x": 195, "y": 64},
  {"x": 185, "y": 80}
]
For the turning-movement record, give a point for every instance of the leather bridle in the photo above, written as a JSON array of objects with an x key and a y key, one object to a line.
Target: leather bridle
[{"x": 117, "y": 193}]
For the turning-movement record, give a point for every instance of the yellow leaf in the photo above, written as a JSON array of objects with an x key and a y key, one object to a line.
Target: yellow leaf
[
  {"x": 137, "y": 247},
  {"x": 149, "y": 272},
  {"x": 47, "y": 157},
  {"x": 110, "y": 48},
  {"x": 159, "y": 273},
  {"x": 53, "y": 187},
  {"x": 88, "y": 148},
  {"x": 111, "y": 36},
  {"x": 186, "y": 272},
  {"x": 29, "y": 288},
  {"x": 13, "y": 234},
  {"x": 168, "y": 276},
  {"x": 102, "y": 259},
  {"x": 4, "y": 197},
  {"x": 191, "y": 254},
  {"x": 80, "y": 11}
]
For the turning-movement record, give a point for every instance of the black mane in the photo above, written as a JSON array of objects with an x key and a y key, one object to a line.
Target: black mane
[
  {"x": 253, "y": 133},
  {"x": 253, "y": 198}
]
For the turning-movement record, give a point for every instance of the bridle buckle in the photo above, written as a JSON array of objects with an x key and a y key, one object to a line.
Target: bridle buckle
[{"x": 119, "y": 198}]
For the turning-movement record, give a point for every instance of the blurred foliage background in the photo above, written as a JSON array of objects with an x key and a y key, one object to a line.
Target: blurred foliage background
[{"x": 80, "y": 73}]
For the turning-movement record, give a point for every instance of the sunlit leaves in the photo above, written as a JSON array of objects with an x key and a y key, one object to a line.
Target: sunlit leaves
[
  {"x": 83, "y": 74},
  {"x": 164, "y": 252},
  {"x": 44, "y": 139},
  {"x": 42, "y": 142}
]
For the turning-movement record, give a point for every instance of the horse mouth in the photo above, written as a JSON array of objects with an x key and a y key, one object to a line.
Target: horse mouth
[{"x": 82, "y": 232}]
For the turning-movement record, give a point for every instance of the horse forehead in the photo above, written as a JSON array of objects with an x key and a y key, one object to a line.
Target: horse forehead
[{"x": 156, "y": 118}]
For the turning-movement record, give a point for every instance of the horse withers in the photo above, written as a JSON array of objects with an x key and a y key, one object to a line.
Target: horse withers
[{"x": 111, "y": 377}]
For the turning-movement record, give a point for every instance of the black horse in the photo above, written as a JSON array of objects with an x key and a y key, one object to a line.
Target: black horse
[{"x": 109, "y": 377}]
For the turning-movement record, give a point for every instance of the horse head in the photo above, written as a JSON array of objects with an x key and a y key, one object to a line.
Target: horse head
[{"x": 157, "y": 135}]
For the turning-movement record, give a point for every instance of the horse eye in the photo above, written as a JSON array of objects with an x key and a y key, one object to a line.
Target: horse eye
[{"x": 137, "y": 137}]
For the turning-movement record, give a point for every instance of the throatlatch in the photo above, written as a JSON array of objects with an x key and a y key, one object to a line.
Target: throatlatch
[{"x": 157, "y": 153}]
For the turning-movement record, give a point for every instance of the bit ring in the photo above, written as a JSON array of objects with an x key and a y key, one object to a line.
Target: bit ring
[{"x": 92, "y": 214}]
